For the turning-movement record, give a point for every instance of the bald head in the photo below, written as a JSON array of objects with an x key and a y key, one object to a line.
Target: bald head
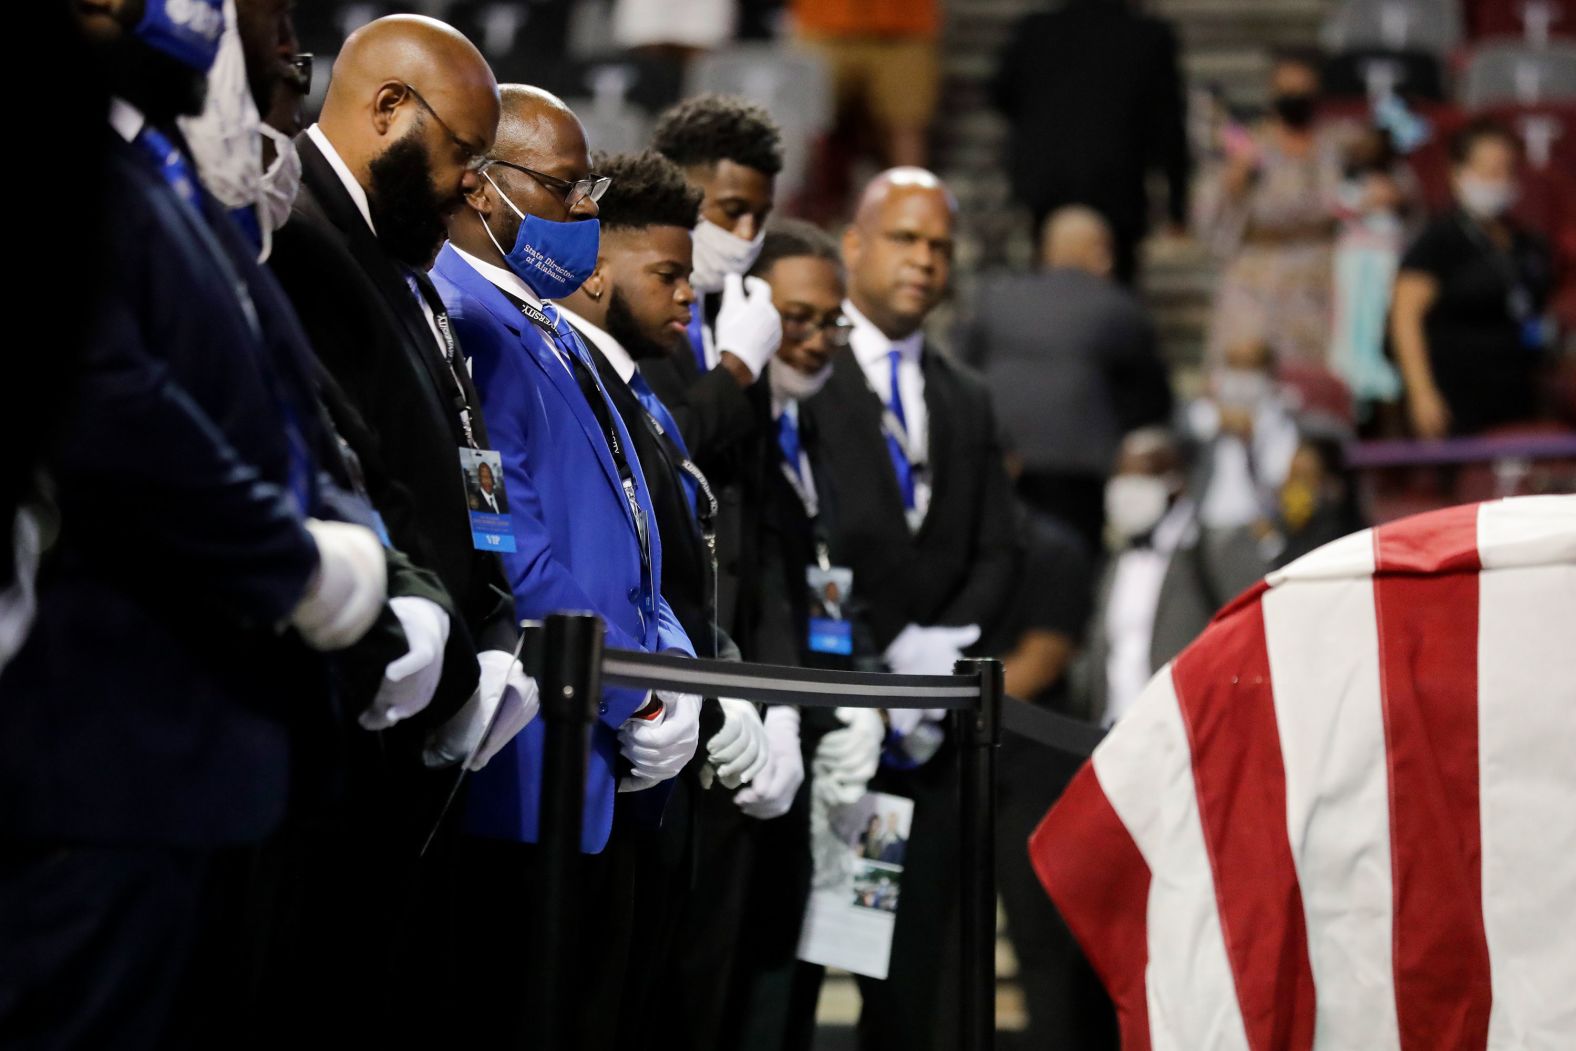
[
  {"x": 396, "y": 73},
  {"x": 1077, "y": 237},
  {"x": 536, "y": 131},
  {"x": 899, "y": 249}
]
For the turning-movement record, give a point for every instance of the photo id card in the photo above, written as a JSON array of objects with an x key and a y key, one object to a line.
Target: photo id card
[
  {"x": 482, "y": 472},
  {"x": 830, "y": 589}
]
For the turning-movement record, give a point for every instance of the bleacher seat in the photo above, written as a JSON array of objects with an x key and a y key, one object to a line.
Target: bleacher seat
[
  {"x": 1536, "y": 21},
  {"x": 1375, "y": 72},
  {"x": 1514, "y": 73},
  {"x": 1433, "y": 26}
]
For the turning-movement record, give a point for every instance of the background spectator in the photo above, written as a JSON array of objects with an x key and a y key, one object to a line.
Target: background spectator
[
  {"x": 1317, "y": 502},
  {"x": 1071, "y": 361},
  {"x": 1248, "y": 436},
  {"x": 1094, "y": 95},
  {"x": 1267, "y": 211},
  {"x": 1468, "y": 316}
]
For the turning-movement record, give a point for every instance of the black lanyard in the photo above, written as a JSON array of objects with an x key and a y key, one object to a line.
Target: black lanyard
[
  {"x": 1518, "y": 297},
  {"x": 451, "y": 354}
]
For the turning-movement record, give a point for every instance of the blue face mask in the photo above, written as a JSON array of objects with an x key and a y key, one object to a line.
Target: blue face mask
[
  {"x": 186, "y": 30},
  {"x": 553, "y": 258}
]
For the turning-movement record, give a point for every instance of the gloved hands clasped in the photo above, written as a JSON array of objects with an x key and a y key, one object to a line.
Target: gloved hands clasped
[
  {"x": 772, "y": 792},
  {"x": 504, "y": 688},
  {"x": 658, "y": 746},
  {"x": 410, "y": 681},
  {"x": 737, "y": 751},
  {"x": 845, "y": 760},
  {"x": 346, "y": 594}
]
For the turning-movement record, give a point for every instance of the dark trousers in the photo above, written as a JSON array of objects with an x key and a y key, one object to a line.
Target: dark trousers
[
  {"x": 95, "y": 944},
  {"x": 1076, "y": 500},
  {"x": 1066, "y": 1004}
]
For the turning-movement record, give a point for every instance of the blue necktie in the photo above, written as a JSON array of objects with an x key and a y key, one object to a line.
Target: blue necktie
[
  {"x": 697, "y": 331},
  {"x": 172, "y": 165},
  {"x": 659, "y": 412},
  {"x": 788, "y": 441},
  {"x": 897, "y": 449}
]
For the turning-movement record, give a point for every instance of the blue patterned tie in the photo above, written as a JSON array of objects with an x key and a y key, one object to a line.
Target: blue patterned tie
[
  {"x": 172, "y": 165},
  {"x": 788, "y": 441},
  {"x": 900, "y": 464},
  {"x": 697, "y": 331}
]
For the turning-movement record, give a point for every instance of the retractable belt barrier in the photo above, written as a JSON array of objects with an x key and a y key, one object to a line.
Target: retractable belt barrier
[{"x": 566, "y": 656}]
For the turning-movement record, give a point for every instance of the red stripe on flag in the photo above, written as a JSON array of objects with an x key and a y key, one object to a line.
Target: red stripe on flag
[
  {"x": 1224, "y": 689},
  {"x": 1094, "y": 872},
  {"x": 1428, "y": 640}
]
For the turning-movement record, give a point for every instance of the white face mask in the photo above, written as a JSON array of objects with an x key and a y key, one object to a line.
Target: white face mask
[
  {"x": 1242, "y": 388},
  {"x": 281, "y": 182},
  {"x": 719, "y": 253},
  {"x": 1484, "y": 199},
  {"x": 224, "y": 136},
  {"x": 789, "y": 384},
  {"x": 1135, "y": 503}
]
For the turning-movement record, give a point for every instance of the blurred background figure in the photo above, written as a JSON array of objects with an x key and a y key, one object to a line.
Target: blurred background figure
[
  {"x": 1072, "y": 363},
  {"x": 1247, "y": 436},
  {"x": 1468, "y": 324},
  {"x": 1093, "y": 95},
  {"x": 1267, "y": 211}
]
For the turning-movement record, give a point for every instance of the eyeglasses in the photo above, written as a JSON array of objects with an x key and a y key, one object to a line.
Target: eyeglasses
[
  {"x": 837, "y": 330},
  {"x": 592, "y": 186},
  {"x": 301, "y": 72},
  {"x": 473, "y": 158}
]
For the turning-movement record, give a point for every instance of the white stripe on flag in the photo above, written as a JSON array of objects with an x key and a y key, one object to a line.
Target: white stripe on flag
[
  {"x": 1527, "y": 531},
  {"x": 1324, "y": 662},
  {"x": 1526, "y": 747},
  {"x": 1145, "y": 769}
]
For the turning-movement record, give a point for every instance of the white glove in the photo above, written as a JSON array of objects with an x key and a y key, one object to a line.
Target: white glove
[
  {"x": 409, "y": 682},
  {"x": 658, "y": 748},
  {"x": 904, "y": 721},
  {"x": 845, "y": 760},
  {"x": 929, "y": 651},
  {"x": 504, "y": 685},
  {"x": 737, "y": 751},
  {"x": 748, "y": 326},
  {"x": 771, "y": 793},
  {"x": 346, "y": 595}
]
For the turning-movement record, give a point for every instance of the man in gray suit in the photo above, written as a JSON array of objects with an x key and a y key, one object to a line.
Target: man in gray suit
[
  {"x": 1072, "y": 365},
  {"x": 1167, "y": 579}
]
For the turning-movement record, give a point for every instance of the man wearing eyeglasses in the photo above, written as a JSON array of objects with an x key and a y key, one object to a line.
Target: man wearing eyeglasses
[
  {"x": 585, "y": 537},
  {"x": 411, "y": 109}
]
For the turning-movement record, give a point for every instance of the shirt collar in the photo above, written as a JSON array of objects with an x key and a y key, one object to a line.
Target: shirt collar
[
  {"x": 341, "y": 169},
  {"x": 603, "y": 341},
  {"x": 870, "y": 345},
  {"x": 126, "y": 119},
  {"x": 507, "y": 280}
]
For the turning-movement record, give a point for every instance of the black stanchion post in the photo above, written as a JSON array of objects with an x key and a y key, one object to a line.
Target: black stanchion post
[
  {"x": 571, "y": 693},
  {"x": 979, "y": 738}
]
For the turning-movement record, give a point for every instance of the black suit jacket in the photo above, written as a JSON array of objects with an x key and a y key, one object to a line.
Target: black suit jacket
[
  {"x": 714, "y": 414},
  {"x": 150, "y": 703},
  {"x": 370, "y": 334},
  {"x": 959, "y": 567}
]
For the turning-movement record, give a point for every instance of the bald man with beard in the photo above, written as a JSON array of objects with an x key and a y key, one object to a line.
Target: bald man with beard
[
  {"x": 354, "y": 943},
  {"x": 917, "y": 504}
]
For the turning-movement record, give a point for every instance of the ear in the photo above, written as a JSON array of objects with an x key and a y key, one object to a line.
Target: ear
[
  {"x": 853, "y": 243},
  {"x": 385, "y": 105},
  {"x": 601, "y": 279},
  {"x": 479, "y": 199}
]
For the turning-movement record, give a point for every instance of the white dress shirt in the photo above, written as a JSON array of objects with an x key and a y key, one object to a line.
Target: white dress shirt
[
  {"x": 871, "y": 348},
  {"x": 126, "y": 119},
  {"x": 348, "y": 179},
  {"x": 1136, "y": 581}
]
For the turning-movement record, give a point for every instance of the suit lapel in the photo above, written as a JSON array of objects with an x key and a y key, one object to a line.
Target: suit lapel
[
  {"x": 538, "y": 347},
  {"x": 861, "y": 427},
  {"x": 386, "y": 276},
  {"x": 940, "y": 407}
]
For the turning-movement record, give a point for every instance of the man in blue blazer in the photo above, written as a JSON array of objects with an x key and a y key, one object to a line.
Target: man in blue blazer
[{"x": 584, "y": 531}]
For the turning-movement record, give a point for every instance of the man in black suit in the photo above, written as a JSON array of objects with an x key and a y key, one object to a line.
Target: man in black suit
[
  {"x": 145, "y": 724},
  {"x": 917, "y": 503},
  {"x": 1094, "y": 95},
  {"x": 411, "y": 110}
]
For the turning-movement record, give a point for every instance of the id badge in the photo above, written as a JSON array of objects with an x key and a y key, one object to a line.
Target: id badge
[
  {"x": 482, "y": 472},
  {"x": 830, "y": 588}
]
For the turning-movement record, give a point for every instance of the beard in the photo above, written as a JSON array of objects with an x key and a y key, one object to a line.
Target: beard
[
  {"x": 159, "y": 85},
  {"x": 407, "y": 212},
  {"x": 622, "y": 326}
]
